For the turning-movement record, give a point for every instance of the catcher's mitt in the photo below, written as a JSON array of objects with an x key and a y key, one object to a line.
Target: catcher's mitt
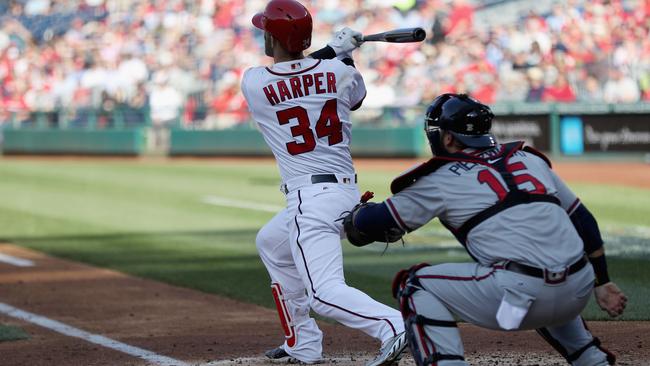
[{"x": 359, "y": 238}]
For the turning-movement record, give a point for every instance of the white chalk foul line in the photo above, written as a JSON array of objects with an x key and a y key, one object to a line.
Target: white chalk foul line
[
  {"x": 90, "y": 337},
  {"x": 19, "y": 262},
  {"x": 228, "y": 202}
]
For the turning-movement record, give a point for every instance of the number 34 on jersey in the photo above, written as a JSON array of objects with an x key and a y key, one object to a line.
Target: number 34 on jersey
[{"x": 302, "y": 108}]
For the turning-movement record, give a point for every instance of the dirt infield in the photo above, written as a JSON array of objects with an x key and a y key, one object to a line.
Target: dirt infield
[{"x": 200, "y": 329}]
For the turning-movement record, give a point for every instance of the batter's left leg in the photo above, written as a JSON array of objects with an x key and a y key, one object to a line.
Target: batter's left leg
[{"x": 576, "y": 344}]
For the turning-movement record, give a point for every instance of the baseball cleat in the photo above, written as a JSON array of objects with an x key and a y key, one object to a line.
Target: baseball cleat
[
  {"x": 391, "y": 352},
  {"x": 279, "y": 354},
  {"x": 276, "y": 353}
]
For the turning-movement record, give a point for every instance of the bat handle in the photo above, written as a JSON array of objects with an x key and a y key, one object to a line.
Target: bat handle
[{"x": 372, "y": 37}]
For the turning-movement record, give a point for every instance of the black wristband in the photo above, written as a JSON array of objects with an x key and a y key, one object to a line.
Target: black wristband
[
  {"x": 600, "y": 268},
  {"x": 325, "y": 53}
]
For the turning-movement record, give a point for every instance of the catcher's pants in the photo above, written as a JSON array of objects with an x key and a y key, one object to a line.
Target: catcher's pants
[
  {"x": 474, "y": 293},
  {"x": 301, "y": 249}
]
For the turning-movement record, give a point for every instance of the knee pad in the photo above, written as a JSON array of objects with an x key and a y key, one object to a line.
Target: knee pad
[{"x": 404, "y": 284}]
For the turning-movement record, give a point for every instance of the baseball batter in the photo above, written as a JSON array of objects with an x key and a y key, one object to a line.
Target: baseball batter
[
  {"x": 302, "y": 106},
  {"x": 527, "y": 232}
]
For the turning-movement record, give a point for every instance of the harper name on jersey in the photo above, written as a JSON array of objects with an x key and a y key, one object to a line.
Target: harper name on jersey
[{"x": 300, "y": 86}]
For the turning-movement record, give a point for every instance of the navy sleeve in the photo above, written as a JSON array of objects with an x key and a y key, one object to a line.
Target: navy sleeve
[
  {"x": 374, "y": 219},
  {"x": 587, "y": 228},
  {"x": 348, "y": 61},
  {"x": 324, "y": 53},
  {"x": 327, "y": 53}
]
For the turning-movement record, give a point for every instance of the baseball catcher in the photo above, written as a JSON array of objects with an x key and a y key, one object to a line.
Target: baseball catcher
[{"x": 538, "y": 253}]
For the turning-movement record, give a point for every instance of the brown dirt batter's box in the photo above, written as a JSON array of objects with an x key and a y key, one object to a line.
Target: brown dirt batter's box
[{"x": 199, "y": 328}]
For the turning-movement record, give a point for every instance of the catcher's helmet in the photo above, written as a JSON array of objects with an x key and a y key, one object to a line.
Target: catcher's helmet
[
  {"x": 464, "y": 117},
  {"x": 288, "y": 21}
]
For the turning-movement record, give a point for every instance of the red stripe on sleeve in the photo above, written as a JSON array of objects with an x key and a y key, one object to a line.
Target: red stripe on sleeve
[
  {"x": 573, "y": 206},
  {"x": 396, "y": 215}
]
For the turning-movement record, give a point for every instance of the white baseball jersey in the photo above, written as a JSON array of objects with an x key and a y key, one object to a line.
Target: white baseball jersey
[
  {"x": 303, "y": 110},
  {"x": 538, "y": 234}
]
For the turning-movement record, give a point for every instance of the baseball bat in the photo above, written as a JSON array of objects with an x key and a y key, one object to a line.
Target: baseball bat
[{"x": 404, "y": 35}]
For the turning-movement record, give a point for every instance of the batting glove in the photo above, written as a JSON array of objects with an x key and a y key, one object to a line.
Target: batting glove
[{"x": 345, "y": 41}]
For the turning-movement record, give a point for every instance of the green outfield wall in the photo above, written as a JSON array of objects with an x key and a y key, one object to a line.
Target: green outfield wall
[
  {"x": 74, "y": 141},
  {"x": 242, "y": 142},
  {"x": 560, "y": 129},
  {"x": 379, "y": 142}
]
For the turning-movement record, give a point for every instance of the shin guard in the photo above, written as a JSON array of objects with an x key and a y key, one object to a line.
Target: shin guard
[
  {"x": 284, "y": 314},
  {"x": 571, "y": 357},
  {"x": 421, "y": 345}
]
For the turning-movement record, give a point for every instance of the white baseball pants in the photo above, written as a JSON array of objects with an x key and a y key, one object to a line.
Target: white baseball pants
[{"x": 301, "y": 249}]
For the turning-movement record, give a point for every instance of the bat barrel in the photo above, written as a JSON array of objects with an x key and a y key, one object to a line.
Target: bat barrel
[
  {"x": 419, "y": 34},
  {"x": 399, "y": 36}
]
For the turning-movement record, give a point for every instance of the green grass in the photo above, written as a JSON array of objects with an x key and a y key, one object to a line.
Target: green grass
[
  {"x": 12, "y": 333},
  {"x": 147, "y": 219}
]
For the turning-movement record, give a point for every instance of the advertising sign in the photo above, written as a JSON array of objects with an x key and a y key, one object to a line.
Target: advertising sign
[
  {"x": 534, "y": 129},
  {"x": 616, "y": 132}
]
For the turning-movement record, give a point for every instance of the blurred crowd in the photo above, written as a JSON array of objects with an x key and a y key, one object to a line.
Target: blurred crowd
[{"x": 181, "y": 61}]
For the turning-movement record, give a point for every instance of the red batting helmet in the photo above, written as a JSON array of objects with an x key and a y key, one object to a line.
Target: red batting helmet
[{"x": 288, "y": 21}]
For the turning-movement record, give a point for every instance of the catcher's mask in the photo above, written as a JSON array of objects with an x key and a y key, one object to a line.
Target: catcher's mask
[{"x": 468, "y": 120}]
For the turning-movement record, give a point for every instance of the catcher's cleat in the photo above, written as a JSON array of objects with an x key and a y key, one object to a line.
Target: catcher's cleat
[{"x": 391, "y": 352}]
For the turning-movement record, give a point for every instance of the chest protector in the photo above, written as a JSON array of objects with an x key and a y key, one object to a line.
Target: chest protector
[{"x": 497, "y": 161}]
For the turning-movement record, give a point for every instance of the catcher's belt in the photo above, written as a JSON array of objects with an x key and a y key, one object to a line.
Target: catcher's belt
[{"x": 549, "y": 277}]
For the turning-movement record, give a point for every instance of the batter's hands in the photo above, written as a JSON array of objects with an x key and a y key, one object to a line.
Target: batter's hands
[
  {"x": 345, "y": 41},
  {"x": 611, "y": 299}
]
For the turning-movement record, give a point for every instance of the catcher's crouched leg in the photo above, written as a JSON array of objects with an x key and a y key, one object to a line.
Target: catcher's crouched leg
[
  {"x": 577, "y": 345},
  {"x": 303, "y": 339},
  {"x": 425, "y": 318}
]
